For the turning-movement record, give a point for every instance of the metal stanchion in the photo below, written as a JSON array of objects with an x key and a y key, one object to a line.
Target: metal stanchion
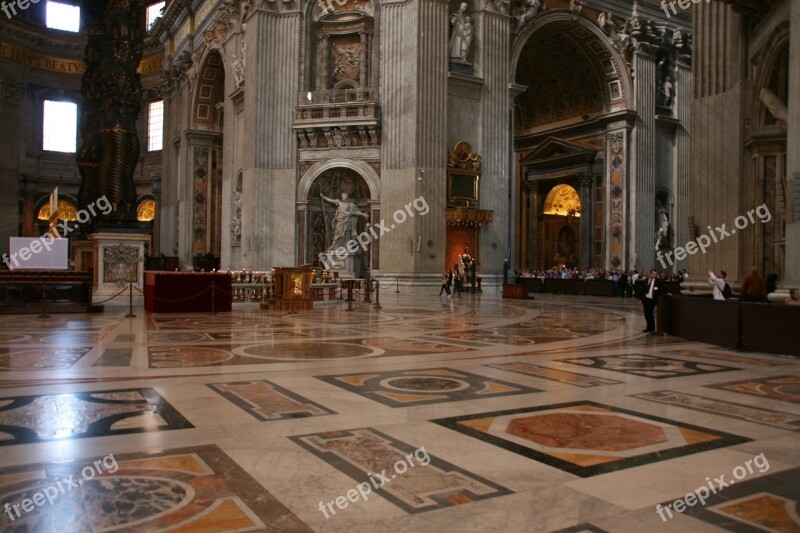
[
  {"x": 349, "y": 296},
  {"x": 377, "y": 295},
  {"x": 130, "y": 300},
  {"x": 213, "y": 295},
  {"x": 44, "y": 302},
  {"x": 397, "y": 284}
]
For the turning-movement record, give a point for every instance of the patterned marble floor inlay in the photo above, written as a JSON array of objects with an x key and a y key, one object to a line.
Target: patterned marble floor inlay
[
  {"x": 766, "y": 417},
  {"x": 587, "y": 438},
  {"x": 173, "y": 356},
  {"x": 40, "y": 358},
  {"x": 401, "y": 388},
  {"x": 115, "y": 357},
  {"x": 26, "y": 419},
  {"x": 425, "y": 482},
  {"x": 193, "y": 489},
  {"x": 736, "y": 359},
  {"x": 767, "y": 503},
  {"x": 265, "y": 400},
  {"x": 648, "y": 366},
  {"x": 785, "y": 388},
  {"x": 562, "y": 376}
]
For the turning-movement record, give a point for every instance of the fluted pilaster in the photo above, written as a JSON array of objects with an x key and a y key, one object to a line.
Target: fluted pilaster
[
  {"x": 495, "y": 146},
  {"x": 643, "y": 182}
]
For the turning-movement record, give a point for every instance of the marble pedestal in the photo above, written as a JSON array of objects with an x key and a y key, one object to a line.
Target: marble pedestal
[
  {"x": 105, "y": 277},
  {"x": 351, "y": 267}
]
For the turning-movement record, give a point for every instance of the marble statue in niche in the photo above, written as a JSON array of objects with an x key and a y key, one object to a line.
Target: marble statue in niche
[
  {"x": 345, "y": 220},
  {"x": 467, "y": 39},
  {"x": 236, "y": 223},
  {"x": 662, "y": 225},
  {"x": 459, "y": 41},
  {"x": 238, "y": 71}
]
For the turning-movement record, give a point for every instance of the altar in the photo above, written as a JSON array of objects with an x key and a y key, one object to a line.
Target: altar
[{"x": 187, "y": 292}]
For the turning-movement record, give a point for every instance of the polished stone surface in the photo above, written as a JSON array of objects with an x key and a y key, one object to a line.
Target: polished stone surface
[{"x": 543, "y": 415}]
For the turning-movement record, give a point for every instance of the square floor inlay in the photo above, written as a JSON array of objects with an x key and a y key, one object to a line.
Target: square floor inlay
[
  {"x": 424, "y": 484},
  {"x": 188, "y": 489},
  {"x": 267, "y": 401},
  {"x": 648, "y": 366},
  {"x": 25, "y": 419},
  {"x": 785, "y": 388},
  {"x": 399, "y": 388},
  {"x": 587, "y": 438}
]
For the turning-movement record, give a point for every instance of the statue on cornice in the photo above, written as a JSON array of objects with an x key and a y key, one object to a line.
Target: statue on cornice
[{"x": 528, "y": 12}]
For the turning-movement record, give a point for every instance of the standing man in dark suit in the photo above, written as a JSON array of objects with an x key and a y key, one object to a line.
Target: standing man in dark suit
[{"x": 651, "y": 291}]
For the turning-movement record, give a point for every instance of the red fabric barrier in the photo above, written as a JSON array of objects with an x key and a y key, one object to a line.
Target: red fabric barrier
[{"x": 187, "y": 292}]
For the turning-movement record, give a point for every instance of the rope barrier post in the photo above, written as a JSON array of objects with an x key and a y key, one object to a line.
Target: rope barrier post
[
  {"x": 44, "y": 302},
  {"x": 213, "y": 294},
  {"x": 130, "y": 300},
  {"x": 377, "y": 295},
  {"x": 368, "y": 285},
  {"x": 349, "y": 295},
  {"x": 397, "y": 284}
]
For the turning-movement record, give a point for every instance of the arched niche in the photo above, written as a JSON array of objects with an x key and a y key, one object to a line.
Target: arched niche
[{"x": 562, "y": 200}]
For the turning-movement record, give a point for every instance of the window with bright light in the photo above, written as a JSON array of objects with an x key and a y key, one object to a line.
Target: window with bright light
[
  {"x": 153, "y": 12},
  {"x": 60, "y": 126},
  {"x": 155, "y": 125},
  {"x": 63, "y": 16}
]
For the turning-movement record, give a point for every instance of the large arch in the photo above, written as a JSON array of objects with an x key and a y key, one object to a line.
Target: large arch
[
  {"x": 589, "y": 37},
  {"x": 366, "y": 171}
]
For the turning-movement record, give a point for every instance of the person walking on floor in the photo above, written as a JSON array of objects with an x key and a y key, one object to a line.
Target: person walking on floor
[
  {"x": 651, "y": 291},
  {"x": 447, "y": 278}
]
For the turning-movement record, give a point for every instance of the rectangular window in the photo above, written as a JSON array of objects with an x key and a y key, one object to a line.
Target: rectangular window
[
  {"x": 155, "y": 125},
  {"x": 60, "y": 126},
  {"x": 153, "y": 12},
  {"x": 63, "y": 16}
]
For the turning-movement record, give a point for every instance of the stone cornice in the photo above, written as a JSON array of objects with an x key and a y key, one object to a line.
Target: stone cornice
[{"x": 42, "y": 40}]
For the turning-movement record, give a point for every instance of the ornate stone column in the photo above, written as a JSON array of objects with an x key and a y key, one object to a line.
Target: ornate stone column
[
  {"x": 587, "y": 219},
  {"x": 617, "y": 249},
  {"x": 534, "y": 192}
]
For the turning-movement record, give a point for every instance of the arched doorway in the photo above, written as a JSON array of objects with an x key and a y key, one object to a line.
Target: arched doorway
[
  {"x": 559, "y": 230},
  {"x": 569, "y": 81}
]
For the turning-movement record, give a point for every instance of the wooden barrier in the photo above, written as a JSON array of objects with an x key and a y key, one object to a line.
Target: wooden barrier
[{"x": 769, "y": 328}]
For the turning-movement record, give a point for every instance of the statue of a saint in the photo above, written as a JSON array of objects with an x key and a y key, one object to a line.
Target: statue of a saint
[
  {"x": 345, "y": 221},
  {"x": 457, "y": 20},
  {"x": 662, "y": 223},
  {"x": 466, "y": 40}
]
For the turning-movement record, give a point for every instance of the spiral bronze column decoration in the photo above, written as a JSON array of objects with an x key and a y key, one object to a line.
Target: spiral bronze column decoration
[{"x": 112, "y": 96}]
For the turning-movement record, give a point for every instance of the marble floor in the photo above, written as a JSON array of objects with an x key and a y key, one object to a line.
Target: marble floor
[{"x": 431, "y": 414}]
